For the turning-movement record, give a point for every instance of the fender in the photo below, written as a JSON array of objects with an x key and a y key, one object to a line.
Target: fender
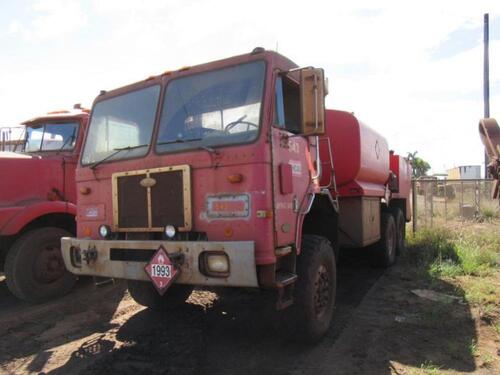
[
  {"x": 312, "y": 194},
  {"x": 34, "y": 211}
]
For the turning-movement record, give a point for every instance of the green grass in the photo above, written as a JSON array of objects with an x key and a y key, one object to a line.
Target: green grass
[
  {"x": 452, "y": 254},
  {"x": 489, "y": 213},
  {"x": 473, "y": 349},
  {"x": 479, "y": 291},
  {"x": 461, "y": 260},
  {"x": 430, "y": 368}
]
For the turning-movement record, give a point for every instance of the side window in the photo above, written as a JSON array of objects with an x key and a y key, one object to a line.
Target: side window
[{"x": 287, "y": 108}]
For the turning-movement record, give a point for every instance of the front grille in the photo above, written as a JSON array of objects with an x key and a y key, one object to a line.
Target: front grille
[
  {"x": 148, "y": 200},
  {"x": 167, "y": 201},
  {"x": 132, "y": 202}
]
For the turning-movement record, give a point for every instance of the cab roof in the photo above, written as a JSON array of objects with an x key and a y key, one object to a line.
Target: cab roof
[
  {"x": 58, "y": 115},
  {"x": 257, "y": 54}
]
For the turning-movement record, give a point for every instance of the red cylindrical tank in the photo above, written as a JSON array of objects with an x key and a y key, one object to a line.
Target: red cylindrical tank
[{"x": 360, "y": 156}]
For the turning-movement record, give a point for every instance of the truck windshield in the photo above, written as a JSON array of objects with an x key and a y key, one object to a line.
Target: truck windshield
[
  {"x": 211, "y": 109},
  {"x": 124, "y": 122},
  {"x": 51, "y": 137}
]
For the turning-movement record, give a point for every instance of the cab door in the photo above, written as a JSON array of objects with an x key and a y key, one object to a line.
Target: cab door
[{"x": 291, "y": 162}]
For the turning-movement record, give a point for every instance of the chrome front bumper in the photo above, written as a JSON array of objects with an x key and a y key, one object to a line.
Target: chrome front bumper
[{"x": 102, "y": 260}]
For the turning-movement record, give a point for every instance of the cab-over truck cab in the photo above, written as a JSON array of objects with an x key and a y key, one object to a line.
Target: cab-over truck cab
[
  {"x": 210, "y": 175},
  {"x": 37, "y": 204}
]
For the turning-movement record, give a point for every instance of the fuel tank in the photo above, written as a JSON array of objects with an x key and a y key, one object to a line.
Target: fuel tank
[{"x": 360, "y": 156}]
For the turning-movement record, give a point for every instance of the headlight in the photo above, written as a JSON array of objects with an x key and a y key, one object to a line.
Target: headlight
[
  {"x": 214, "y": 264},
  {"x": 218, "y": 263},
  {"x": 170, "y": 231},
  {"x": 104, "y": 231},
  {"x": 75, "y": 256}
]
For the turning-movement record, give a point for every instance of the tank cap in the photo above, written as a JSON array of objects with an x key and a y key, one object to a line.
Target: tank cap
[
  {"x": 257, "y": 50},
  {"x": 102, "y": 92},
  {"x": 77, "y": 106}
]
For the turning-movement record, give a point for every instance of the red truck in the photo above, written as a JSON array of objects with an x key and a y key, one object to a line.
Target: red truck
[
  {"x": 232, "y": 173},
  {"x": 38, "y": 204}
]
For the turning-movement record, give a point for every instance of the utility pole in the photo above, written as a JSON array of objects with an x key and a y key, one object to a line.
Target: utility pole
[{"x": 486, "y": 82}]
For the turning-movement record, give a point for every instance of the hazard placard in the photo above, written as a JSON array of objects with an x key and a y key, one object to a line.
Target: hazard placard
[{"x": 161, "y": 271}]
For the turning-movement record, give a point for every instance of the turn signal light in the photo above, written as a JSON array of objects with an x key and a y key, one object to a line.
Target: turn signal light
[
  {"x": 87, "y": 232},
  {"x": 228, "y": 231},
  {"x": 57, "y": 112},
  {"x": 235, "y": 178},
  {"x": 84, "y": 190}
]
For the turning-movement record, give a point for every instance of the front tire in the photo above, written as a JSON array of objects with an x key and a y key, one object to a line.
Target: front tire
[
  {"x": 145, "y": 294},
  {"x": 309, "y": 318},
  {"x": 34, "y": 267}
]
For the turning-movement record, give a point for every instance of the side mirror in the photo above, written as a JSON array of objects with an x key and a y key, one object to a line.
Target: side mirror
[{"x": 312, "y": 101}]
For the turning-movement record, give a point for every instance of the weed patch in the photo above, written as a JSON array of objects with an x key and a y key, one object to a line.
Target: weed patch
[{"x": 443, "y": 253}]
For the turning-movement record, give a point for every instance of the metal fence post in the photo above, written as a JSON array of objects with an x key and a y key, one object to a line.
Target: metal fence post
[
  {"x": 461, "y": 199},
  {"x": 414, "y": 205},
  {"x": 432, "y": 203},
  {"x": 445, "y": 202}
]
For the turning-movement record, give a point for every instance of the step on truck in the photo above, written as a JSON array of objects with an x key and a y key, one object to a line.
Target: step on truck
[
  {"x": 232, "y": 173},
  {"x": 38, "y": 204}
]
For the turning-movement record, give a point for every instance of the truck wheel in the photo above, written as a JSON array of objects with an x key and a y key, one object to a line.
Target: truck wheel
[
  {"x": 309, "y": 318},
  {"x": 400, "y": 222},
  {"x": 145, "y": 294},
  {"x": 385, "y": 249},
  {"x": 34, "y": 267}
]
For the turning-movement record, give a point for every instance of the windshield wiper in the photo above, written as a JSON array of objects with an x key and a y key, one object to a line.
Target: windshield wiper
[
  {"x": 201, "y": 147},
  {"x": 72, "y": 139},
  {"x": 179, "y": 140},
  {"x": 117, "y": 151}
]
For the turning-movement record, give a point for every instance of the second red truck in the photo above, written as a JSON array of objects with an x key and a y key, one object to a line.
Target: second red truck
[{"x": 38, "y": 204}]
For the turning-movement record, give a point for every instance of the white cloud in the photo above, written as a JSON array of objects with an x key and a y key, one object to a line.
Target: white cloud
[
  {"x": 14, "y": 27},
  {"x": 57, "y": 18}
]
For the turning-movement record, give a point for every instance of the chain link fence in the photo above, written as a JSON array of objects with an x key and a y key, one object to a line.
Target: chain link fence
[{"x": 443, "y": 202}]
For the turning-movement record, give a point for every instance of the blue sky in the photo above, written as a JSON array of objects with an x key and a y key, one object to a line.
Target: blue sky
[{"x": 411, "y": 71}]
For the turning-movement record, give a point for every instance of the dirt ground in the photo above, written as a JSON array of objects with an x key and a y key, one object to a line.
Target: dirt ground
[{"x": 380, "y": 327}]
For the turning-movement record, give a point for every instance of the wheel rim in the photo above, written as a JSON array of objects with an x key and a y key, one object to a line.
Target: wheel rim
[
  {"x": 322, "y": 291},
  {"x": 48, "y": 265}
]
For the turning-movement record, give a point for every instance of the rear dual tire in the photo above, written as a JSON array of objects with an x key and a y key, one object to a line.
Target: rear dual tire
[
  {"x": 400, "y": 222},
  {"x": 385, "y": 249}
]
